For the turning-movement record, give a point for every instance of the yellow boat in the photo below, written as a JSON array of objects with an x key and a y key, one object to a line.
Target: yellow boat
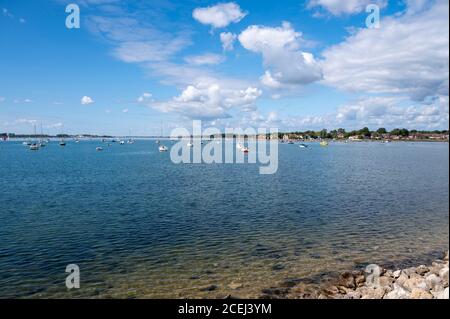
[{"x": 324, "y": 143}]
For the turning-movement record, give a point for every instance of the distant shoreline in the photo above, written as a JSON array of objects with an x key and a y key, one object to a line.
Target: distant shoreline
[{"x": 20, "y": 138}]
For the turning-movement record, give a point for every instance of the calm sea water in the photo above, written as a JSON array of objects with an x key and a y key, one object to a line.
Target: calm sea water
[{"x": 140, "y": 226}]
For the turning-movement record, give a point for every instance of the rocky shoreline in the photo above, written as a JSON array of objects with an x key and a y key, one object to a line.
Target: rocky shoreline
[{"x": 422, "y": 282}]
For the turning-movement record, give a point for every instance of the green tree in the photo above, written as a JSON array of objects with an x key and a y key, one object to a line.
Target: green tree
[
  {"x": 365, "y": 132},
  {"x": 324, "y": 133}
]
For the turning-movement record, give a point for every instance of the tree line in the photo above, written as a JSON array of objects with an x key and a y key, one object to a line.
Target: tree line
[{"x": 364, "y": 132}]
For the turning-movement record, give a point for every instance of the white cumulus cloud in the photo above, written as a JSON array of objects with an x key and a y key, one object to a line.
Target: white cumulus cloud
[
  {"x": 228, "y": 39},
  {"x": 394, "y": 112},
  {"x": 86, "y": 100},
  {"x": 220, "y": 15},
  {"x": 286, "y": 64},
  {"x": 210, "y": 101},
  {"x": 408, "y": 55},
  {"x": 340, "y": 7}
]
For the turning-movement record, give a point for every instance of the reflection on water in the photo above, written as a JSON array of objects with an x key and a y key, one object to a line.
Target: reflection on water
[{"x": 140, "y": 226}]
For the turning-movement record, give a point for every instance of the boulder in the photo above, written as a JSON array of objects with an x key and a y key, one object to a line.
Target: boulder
[
  {"x": 330, "y": 291},
  {"x": 353, "y": 295},
  {"x": 371, "y": 292},
  {"x": 435, "y": 269},
  {"x": 360, "y": 280},
  {"x": 415, "y": 282},
  {"x": 443, "y": 294},
  {"x": 386, "y": 281},
  {"x": 398, "y": 293},
  {"x": 420, "y": 294},
  {"x": 410, "y": 271},
  {"x": 347, "y": 280},
  {"x": 402, "y": 278},
  {"x": 438, "y": 263},
  {"x": 396, "y": 273},
  {"x": 444, "y": 275},
  {"x": 432, "y": 281},
  {"x": 422, "y": 270}
]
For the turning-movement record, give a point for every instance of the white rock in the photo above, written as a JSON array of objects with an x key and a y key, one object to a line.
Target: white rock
[
  {"x": 397, "y": 273},
  {"x": 410, "y": 271},
  {"x": 422, "y": 270},
  {"x": 402, "y": 278},
  {"x": 353, "y": 295},
  {"x": 444, "y": 275},
  {"x": 420, "y": 294},
  {"x": 415, "y": 282},
  {"x": 371, "y": 292},
  {"x": 398, "y": 293},
  {"x": 442, "y": 294},
  {"x": 433, "y": 281}
]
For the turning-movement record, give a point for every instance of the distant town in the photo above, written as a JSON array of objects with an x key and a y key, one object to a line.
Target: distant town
[{"x": 364, "y": 134}]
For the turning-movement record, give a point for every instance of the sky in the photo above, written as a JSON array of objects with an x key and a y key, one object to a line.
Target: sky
[{"x": 145, "y": 66}]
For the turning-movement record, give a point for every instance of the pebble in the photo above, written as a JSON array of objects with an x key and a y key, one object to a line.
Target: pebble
[
  {"x": 209, "y": 288},
  {"x": 235, "y": 286}
]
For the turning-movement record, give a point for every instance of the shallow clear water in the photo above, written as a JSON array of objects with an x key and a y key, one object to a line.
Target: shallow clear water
[{"x": 140, "y": 226}]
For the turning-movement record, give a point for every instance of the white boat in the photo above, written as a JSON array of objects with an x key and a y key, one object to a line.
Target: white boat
[
  {"x": 122, "y": 142},
  {"x": 163, "y": 148},
  {"x": 99, "y": 149},
  {"x": 42, "y": 142},
  {"x": 35, "y": 145},
  {"x": 62, "y": 143},
  {"x": 303, "y": 146},
  {"x": 130, "y": 140}
]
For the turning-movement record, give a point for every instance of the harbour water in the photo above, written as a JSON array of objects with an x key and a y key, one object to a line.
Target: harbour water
[{"x": 139, "y": 226}]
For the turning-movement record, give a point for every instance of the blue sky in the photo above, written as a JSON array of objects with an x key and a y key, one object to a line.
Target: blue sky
[{"x": 296, "y": 65}]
